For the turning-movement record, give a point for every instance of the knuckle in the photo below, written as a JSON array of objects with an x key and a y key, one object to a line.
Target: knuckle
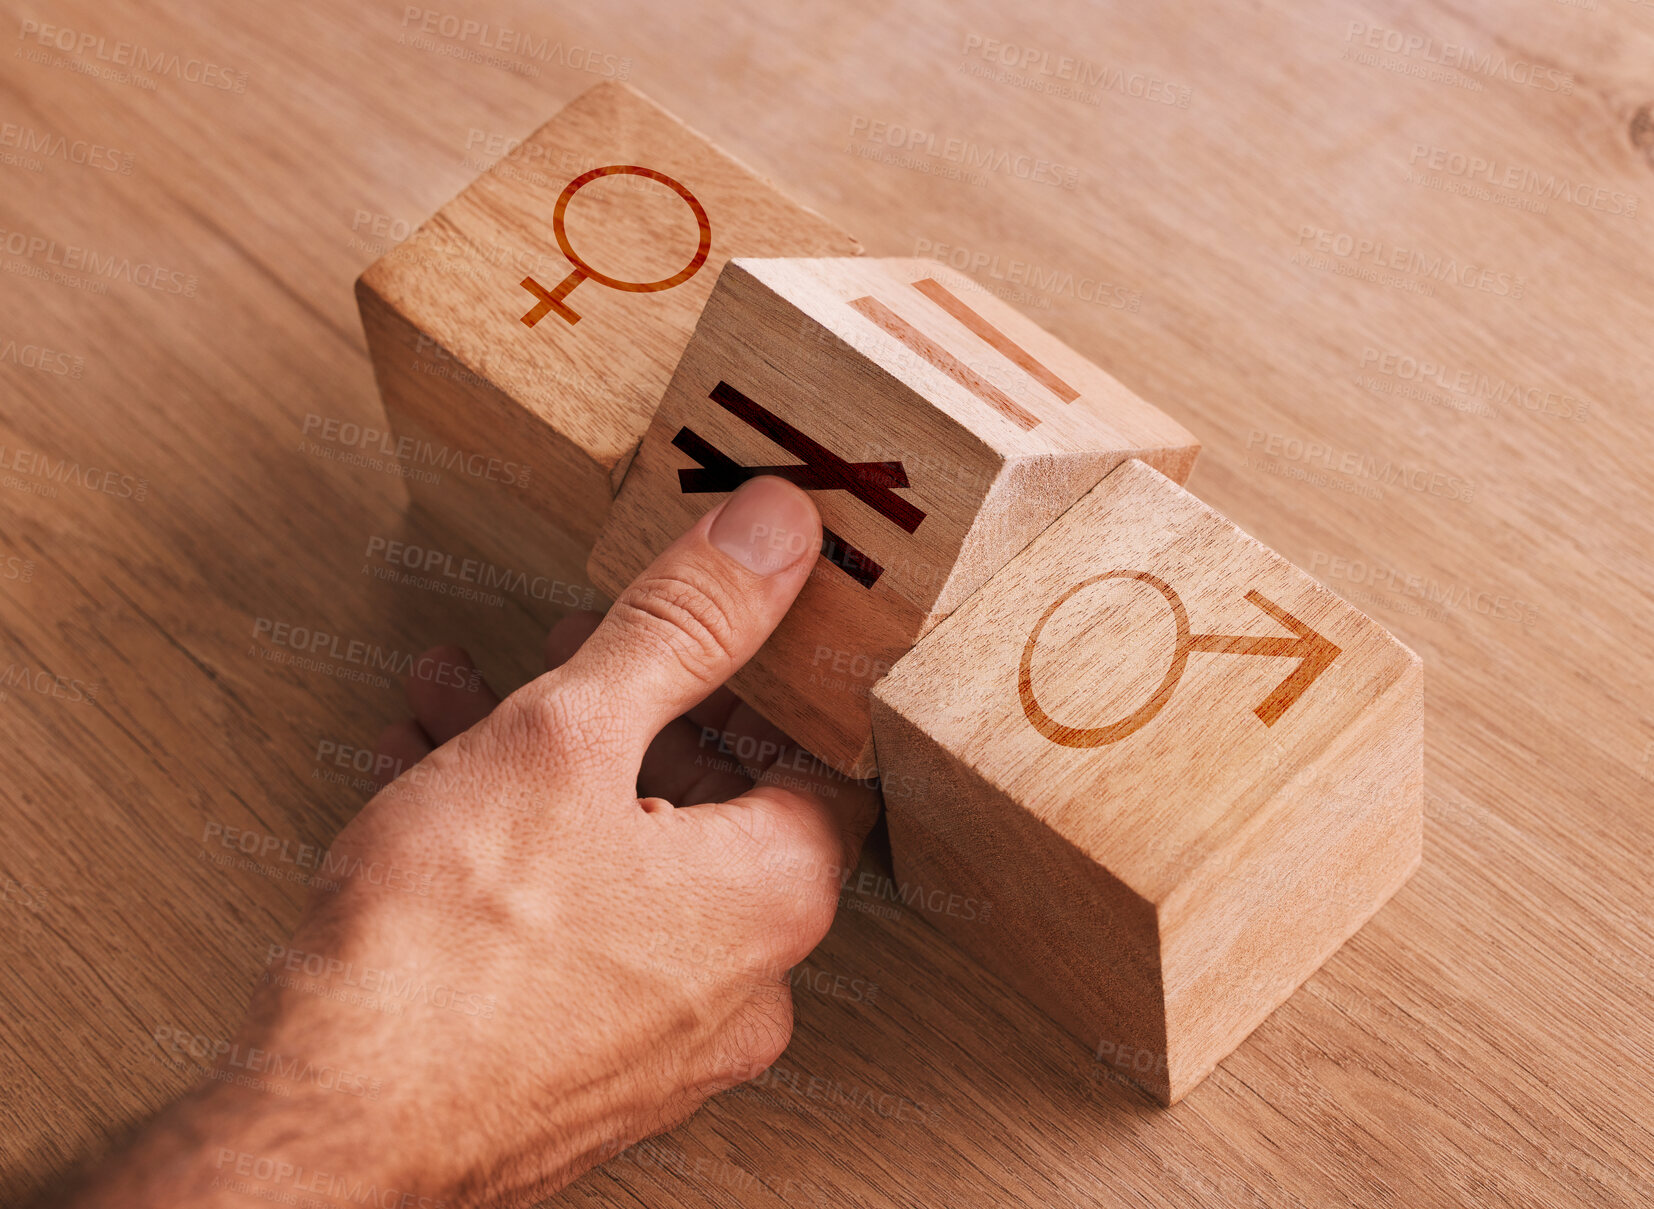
[
  {"x": 811, "y": 906},
  {"x": 755, "y": 852},
  {"x": 689, "y": 614},
  {"x": 539, "y": 717},
  {"x": 757, "y": 1036},
  {"x": 780, "y": 877},
  {"x": 799, "y": 880},
  {"x": 543, "y": 718},
  {"x": 808, "y": 905}
]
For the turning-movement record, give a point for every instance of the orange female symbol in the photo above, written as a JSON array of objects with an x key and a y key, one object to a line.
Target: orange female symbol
[{"x": 552, "y": 300}]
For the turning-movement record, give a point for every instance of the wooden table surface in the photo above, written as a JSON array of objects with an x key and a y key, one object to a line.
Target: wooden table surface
[{"x": 1390, "y": 261}]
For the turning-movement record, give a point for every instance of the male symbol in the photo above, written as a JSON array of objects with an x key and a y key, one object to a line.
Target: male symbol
[
  {"x": 1313, "y": 651},
  {"x": 821, "y": 470}
]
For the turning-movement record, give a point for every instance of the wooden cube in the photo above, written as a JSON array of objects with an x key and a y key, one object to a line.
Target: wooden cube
[
  {"x": 522, "y": 337},
  {"x": 1180, "y": 770},
  {"x": 940, "y": 430}
]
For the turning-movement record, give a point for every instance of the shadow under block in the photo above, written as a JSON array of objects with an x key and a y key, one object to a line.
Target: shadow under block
[
  {"x": 938, "y": 429},
  {"x": 515, "y": 436},
  {"x": 1180, "y": 770}
]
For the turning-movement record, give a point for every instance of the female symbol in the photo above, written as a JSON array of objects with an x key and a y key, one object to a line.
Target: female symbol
[{"x": 552, "y": 300}]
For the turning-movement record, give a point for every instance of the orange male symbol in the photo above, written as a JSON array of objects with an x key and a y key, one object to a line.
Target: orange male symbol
[
  {"x": 1314, "y": 653},
  {"x": 552, "y": 300}
]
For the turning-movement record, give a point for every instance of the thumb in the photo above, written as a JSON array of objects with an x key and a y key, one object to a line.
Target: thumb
[{"x": 701, "y": 609}]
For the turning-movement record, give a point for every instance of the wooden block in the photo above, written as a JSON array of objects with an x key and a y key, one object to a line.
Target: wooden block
[
  {"x": 1180, "y": 770},
  {"x": 940, "y": 428},
  {"x": 522, "y": 383}
]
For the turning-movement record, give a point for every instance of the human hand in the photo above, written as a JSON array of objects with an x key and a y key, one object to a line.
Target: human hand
[{"x": 538, "y": 957}]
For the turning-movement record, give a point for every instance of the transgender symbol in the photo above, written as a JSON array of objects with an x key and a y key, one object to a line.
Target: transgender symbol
[
  {"x": 1313, "y": 652},
  {"x": 552, "y": 300}
]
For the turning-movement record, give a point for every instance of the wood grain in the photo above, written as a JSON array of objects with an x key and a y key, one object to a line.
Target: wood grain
[
  {"x": 934, "y": 453},
  {"x": 1484, "y": 1040},
  {"x": 1181, "y": 770}
]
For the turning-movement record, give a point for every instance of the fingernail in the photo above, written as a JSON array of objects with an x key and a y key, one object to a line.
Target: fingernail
[{"x": 766, "y": 526}]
